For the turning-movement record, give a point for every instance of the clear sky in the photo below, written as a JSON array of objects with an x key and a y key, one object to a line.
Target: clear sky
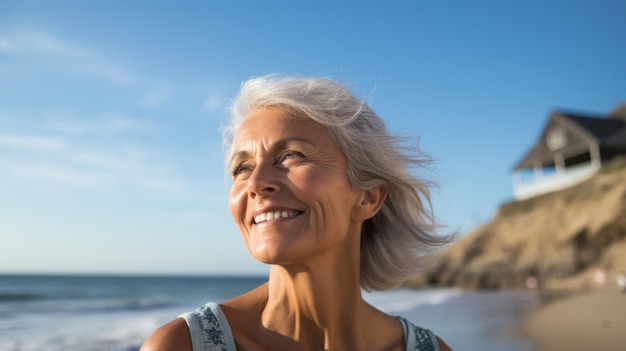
[{"x": 110, "y": 151}]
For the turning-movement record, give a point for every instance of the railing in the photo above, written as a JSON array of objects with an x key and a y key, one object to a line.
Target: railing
[{"x": 543, "y": 183}]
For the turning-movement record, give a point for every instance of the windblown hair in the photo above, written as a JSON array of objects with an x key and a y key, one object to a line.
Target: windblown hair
[{"x": 401, "y": 238}]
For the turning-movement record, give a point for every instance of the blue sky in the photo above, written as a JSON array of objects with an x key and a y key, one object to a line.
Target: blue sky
[{"x": 110, "y": 152}]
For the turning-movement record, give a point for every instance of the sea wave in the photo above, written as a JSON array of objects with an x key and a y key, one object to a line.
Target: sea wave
[
  {"x": 135, "y": 303},
  {"x": 20, "y": 296},
  {"x": 26, "y": 295},
  {"x": 45, "y": 305}
]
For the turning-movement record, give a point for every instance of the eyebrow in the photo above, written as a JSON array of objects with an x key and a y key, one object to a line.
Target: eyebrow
[
  {"x": 239, "y": 155},
  {"x": 280, "y": 144}
]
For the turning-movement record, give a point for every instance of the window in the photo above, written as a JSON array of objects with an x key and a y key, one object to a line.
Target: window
[{"x": 556, "y": 139}]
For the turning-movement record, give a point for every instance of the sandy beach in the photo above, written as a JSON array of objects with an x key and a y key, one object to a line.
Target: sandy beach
[{"x": 594, "y": 320}]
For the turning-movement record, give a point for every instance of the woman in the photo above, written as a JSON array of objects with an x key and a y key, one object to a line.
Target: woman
[{"x": 323, "y": 194}]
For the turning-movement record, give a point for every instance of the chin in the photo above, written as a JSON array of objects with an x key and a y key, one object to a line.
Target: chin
[
  {"x": 267, "y": 258},
  {"x": 275, "y": 256}
]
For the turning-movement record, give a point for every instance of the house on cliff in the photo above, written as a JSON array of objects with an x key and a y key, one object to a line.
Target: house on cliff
[{"x": 570, "y": 149}]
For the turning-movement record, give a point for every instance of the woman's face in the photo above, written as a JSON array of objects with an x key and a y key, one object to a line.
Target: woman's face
[{"x": 290, "y": 197}]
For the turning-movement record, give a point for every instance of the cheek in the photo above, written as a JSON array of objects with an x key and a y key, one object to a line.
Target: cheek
[
  {"x": 332, "y": 201},
  {"x": 237, "y": 203}
]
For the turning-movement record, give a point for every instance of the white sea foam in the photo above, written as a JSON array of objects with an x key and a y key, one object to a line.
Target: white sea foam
[
  {"x": 403, "y": 300},
  {"x": 91, "y": 313},
  {"x": 112, "y": 332}
]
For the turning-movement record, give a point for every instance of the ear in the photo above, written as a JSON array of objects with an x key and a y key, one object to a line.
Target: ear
[{"x": 369, "y": 202}]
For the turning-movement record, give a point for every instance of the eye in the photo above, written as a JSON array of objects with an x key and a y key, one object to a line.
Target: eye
[
  {"x": 290, "y": 155},
  {"x": 240, "y": 168}
]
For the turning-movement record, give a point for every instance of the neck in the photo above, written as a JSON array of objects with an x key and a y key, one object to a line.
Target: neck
[{"x": 318, "y": 304}]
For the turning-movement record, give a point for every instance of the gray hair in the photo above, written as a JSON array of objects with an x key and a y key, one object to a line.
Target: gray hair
[{"x": 400, "y": 239}]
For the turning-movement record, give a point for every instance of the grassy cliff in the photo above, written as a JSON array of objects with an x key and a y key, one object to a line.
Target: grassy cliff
[{"x": 560, "y": 238}]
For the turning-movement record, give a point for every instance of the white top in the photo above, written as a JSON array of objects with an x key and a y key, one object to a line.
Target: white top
[{"x": 210, "y": 331}]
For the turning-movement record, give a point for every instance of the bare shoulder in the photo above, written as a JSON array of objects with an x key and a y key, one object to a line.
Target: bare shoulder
[
  {"x": 250, "y": 300},
  {"x": 443, "y": 346},
  {"x": 173, "y": 336},
  {"x": 244, "y": 312}
]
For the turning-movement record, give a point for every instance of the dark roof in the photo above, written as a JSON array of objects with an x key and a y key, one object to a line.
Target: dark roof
[
  {"x": 607, "y": 132},
  {"x": 602, "y": 129}
]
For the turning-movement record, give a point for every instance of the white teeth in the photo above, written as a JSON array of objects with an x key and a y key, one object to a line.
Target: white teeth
[{"x": 274, "y": 215}]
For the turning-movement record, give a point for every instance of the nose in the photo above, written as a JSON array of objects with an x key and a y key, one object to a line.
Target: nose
[{"x": 263, "y": 181}]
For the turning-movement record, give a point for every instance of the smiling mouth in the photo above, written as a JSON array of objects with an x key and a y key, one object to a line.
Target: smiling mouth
[{"x": 266, "y": 216}]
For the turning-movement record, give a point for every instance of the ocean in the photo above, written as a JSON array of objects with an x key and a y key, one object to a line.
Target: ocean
[{"x": 117, "y": 313}]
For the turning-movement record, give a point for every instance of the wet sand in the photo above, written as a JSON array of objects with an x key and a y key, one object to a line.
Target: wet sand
[
  {"x": 480, "y": 320},
  {"x": 593, "y": 320}
]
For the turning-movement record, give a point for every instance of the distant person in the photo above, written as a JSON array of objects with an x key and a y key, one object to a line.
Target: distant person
[
  {"x": 599, "y": 276},
  {"x": 620, "y": 279},
  {"x": 532, "y": 283},
  {"x": 323, "y": 194}
]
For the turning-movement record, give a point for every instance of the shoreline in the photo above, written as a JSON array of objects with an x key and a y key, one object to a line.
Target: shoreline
[{"x": 579, "y": 320}]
